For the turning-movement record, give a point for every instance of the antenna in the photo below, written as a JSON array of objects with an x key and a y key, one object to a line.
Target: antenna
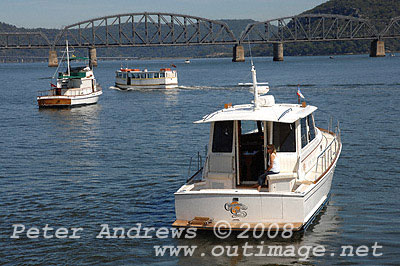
[
  {"x": 254, "y": 76},
  {"x": 251, "y": 57},
  {"x": 69, "y": 71}
]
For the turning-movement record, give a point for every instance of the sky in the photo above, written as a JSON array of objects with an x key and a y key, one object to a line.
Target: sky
[{"x": 57, "y": 14}]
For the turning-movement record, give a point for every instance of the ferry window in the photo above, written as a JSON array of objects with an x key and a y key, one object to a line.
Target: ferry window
[
  {"x": 284, "y": 137},
  {"x": 223, "y": 136},
  {"x": 304, "y": 140},
  {"x": 156, "y": 75},
  {"x": 136, "y": 76},
  {"x": 143, "y": 75},
  {"x": 150, "y": 75},
  {"x": 311, "y": 132},
  {"x": 124, "y": 75},
  {"x": 162, "y": 75}
]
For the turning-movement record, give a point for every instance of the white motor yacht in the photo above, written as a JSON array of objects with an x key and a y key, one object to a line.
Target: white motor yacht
[{"x": 225, "y": 187}]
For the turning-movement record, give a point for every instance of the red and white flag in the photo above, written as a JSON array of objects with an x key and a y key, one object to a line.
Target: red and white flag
[{"x": 299, "y": 92}]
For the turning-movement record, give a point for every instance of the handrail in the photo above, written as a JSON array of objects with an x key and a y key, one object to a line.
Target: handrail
[
  {"x": 199, "y": 166},
  {"x": 327, "y": 156},
  {"x": 72, "y": 92},
  {"x": 326, "y": 140}
]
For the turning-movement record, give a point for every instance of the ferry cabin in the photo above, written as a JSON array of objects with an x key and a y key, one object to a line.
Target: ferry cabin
[
  {"x": 237, "y": 156},
  {"x": 135, "y": 78}
]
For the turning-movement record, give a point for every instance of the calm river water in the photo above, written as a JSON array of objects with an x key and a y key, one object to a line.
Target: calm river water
[{"x": 120, "y": 161}]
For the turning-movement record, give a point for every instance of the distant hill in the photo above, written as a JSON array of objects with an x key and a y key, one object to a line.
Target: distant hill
[
  {"x": 379, "y": 11},
  {"x": 371, "y": 9}
]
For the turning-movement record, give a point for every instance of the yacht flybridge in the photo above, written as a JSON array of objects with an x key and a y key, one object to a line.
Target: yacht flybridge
[{"x": 225, "y": 187}]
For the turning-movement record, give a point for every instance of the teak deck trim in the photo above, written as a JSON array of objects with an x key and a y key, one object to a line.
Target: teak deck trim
[{"x": 239, "y": 226}]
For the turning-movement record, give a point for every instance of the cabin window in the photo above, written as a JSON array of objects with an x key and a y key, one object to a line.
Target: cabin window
[
  {"x": 223, "y": 136},
  {"x": 304, "y": 139},
  {"x": 284, "y": 137},
  {"x": 156, "y": 75},
  {"x": 248, "y": 127},
  {"x": 311, "y": 128},
  {"x": 150, "y": 75},
  {"x": 162, "y": 75},
  {"x": 143, "y": 76},
  {"x": 124, "y": 75},
  {"x": 136, "y": 75}
]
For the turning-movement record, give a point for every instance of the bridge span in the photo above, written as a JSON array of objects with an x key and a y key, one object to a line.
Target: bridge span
[{"x": 168, "y": 29}]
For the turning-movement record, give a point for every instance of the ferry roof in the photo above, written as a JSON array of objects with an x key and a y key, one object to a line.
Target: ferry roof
[{"x": 284, "y": 113}]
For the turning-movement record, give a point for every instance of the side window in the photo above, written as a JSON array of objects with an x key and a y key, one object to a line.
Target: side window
[
  {"x": 156, "y": 75},
  {"x": 284, "y": 137},
  {"x": 304, "y": 139},
  {"x": 223, "y": 136},
  {"x": 311, "y": 132}
]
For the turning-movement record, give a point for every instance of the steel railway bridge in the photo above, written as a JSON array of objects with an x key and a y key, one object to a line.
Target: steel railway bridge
[{"x": 165, "y": 29}]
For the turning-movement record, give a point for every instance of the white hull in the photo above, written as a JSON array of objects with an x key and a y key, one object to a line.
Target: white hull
[
  {"x": 147, "y": 86},
  {"x": 87, "y": 99},
  {"x": 66, "y": 101},
  {"x": 266, "y": 208}
]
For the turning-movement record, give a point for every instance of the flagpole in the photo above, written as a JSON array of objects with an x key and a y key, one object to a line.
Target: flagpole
[{"x": 298, "y": 96}]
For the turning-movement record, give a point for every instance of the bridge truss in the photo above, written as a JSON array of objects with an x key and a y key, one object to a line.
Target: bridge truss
[
  {"x": 309, "y": 28},
  {"x": 146, "y": 29},
  {"x": 164, "y": 29}
]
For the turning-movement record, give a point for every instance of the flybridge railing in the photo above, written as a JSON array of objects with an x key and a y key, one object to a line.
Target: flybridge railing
[
  {"x": 62, "y": 92},
  {"x": 329, "y": 154}
]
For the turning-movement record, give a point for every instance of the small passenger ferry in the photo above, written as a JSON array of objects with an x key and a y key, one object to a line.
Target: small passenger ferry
[
  {"x": 127, "y": 78},
  {"x": 75, "y": 87},
  {"x": 225, "y": 187}
]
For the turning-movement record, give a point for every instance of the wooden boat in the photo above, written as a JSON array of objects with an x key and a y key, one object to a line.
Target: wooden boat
[{"x": 75, "y": 87}]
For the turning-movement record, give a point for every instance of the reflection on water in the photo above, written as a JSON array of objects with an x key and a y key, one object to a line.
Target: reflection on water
[{"x": 77, "y": 131}]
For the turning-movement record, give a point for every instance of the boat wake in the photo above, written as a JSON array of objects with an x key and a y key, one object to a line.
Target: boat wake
[{"x": 233, "y": 87}]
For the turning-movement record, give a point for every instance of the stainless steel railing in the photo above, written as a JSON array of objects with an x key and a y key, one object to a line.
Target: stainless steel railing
[{"x": 329, "y": 154}]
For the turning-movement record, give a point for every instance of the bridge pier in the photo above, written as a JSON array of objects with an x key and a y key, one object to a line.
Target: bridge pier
[
  {"x": 92, "y": 57},
  {"x": 377, "y": 48},
  {"x": 238, "y": 53},
  {"x": 53, "y": 61},
  {"x": 278, "y": 51}
]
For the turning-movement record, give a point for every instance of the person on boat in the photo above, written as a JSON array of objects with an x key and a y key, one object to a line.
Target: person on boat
[{"x": 273, "y": 167}]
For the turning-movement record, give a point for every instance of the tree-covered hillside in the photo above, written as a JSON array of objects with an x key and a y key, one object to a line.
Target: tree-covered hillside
[{"x": 378, "y": 11}]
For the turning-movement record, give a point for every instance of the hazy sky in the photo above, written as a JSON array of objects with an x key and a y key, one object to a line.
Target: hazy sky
[{"x": 56, "y": 13}]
